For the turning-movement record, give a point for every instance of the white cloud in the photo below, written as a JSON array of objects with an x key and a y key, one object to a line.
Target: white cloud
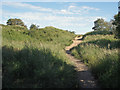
[
  {"x": 89, "y": 8},
  {"x": 72, "y": 9},
  {"x": 71, "y": 6},
  {"x": 81, "y": 9},
  {"x": 63, "y": 18},
  {"x": 63, "y": 22},
  {"x": 61, "y": 0},
  {"x": 63, "y": 10},
  {"x": 24, "y": 5}
]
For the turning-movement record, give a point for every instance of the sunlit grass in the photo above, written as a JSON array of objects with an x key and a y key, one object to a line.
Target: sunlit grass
[
  {"x": 36, "y": 59},
  {"x": 100, "y": 53}
]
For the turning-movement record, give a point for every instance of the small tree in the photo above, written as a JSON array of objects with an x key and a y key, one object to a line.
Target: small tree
[
  {"x": 115, "y": 20},
  {"x": 15, "y": 22},
  {"x": 117, "y": 32},
  {"x": 33, "y": 27},
  {"x": 100, "y": 24},
  {"x": 117, "y": 23}
]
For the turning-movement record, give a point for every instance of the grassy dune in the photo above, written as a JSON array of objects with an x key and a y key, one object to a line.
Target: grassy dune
[
  {"x": 36, "y": 58},
  {"x": 100, "y": 53}
]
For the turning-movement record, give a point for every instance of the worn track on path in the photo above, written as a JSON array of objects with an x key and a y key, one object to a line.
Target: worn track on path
[{"x": 84, "y": 75}]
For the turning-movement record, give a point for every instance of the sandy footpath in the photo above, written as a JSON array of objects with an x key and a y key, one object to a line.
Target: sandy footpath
[{"x": 84, "y": 75}]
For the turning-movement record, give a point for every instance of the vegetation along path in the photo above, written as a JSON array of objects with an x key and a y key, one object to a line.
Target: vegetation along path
[{"x": 84, "y": 75}]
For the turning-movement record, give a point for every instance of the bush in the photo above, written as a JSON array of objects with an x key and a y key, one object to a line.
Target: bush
[
  {"x": 104, "y": 32},
  {"x": 36, "y": 59},
  {"x": 46, "y": 70},
  {"x": 15, "y": 22},
  {"x": 100, "y": 53}
]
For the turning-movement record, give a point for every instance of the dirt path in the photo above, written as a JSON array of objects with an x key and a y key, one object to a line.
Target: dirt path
[{"x": 85, "y": 78}]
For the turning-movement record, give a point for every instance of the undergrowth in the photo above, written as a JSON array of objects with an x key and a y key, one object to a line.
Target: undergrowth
[
  {"x": 101, "y": 54},
  {"x": 36, "y": 58}
]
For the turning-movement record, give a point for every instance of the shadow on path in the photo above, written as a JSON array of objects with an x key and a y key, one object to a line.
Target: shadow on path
[{"x": 84, "y": 75}]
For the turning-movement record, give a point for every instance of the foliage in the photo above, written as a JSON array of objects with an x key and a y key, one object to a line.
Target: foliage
[
  {"x": 104, "y": 32},
  {"x": 15, "y": 22},
  {"x": 33, "y": 27},
  {"x": 36, "y": 59},
  {"x": 117, "y": 23},
  {"x": 100, "y": 53},
  {"x": 113, "y": 25},
  {"x": 117, "y": 32},
  {"x": 115, "y": 20},
  {"x": 33, "y": 68},
  {"x": 101, "y": 24}
]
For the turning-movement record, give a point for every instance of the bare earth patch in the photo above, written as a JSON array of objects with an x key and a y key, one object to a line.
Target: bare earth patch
[{"x": 84, "y": 75}]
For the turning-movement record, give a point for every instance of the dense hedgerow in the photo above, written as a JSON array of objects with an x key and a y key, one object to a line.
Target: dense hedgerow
[{"x": 36, "y": 58}]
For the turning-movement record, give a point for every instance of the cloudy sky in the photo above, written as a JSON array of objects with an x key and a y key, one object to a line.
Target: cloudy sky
[{"x": 72, "y": 16}]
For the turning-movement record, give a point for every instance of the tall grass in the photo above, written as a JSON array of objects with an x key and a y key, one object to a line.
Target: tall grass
[
  {"x": 36, "y": 59},
  {"x": 100, "y": 53}
]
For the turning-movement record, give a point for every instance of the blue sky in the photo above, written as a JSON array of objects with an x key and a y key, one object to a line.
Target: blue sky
[
  {"x": 60, "y": 0},
  {"x": 72, "y": 16}
]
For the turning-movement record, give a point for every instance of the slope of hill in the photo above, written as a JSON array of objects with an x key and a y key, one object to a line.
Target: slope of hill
[
  {"x": 36, "y": 58},
  {"x": 100, "y": 53}
]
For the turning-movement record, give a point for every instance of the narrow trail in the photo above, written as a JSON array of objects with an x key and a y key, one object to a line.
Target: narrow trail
[{"x": 84, "y": 75}]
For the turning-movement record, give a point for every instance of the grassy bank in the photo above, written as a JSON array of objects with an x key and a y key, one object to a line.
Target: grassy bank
[
  {"x": 100, "y": 53},
  {"x": 36, "y": 58}
]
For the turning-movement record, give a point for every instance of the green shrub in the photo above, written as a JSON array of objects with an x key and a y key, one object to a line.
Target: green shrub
[
  {"x": 30, "y": 67},
  {"x": 100, "y": 53},
  {"x": 36, "y": 58},
  {"x": 103, "y": 32}
]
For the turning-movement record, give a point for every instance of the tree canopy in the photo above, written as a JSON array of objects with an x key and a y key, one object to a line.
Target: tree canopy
[
  {"x": 115, "y": 20},
  {"x": 16, "y": 22},
  {"x": 34, "y": 27},
  {"x": 100, "y": 25},
  {"x": 117, "y": 23}
]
